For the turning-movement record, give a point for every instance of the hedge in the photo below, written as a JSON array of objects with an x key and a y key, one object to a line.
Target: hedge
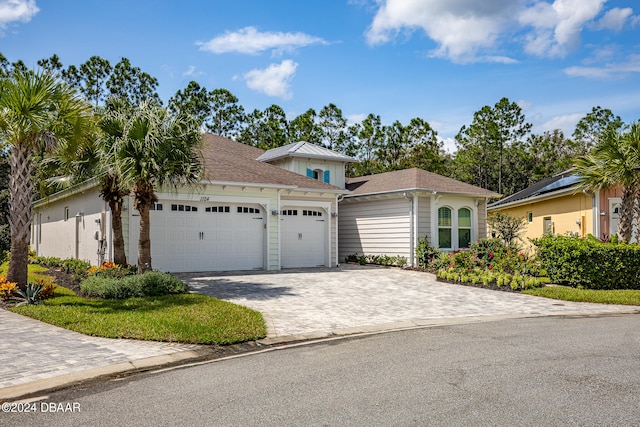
[{"x": 589, "y": 263}]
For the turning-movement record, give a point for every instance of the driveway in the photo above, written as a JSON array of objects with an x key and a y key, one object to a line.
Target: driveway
[{"x": 353, "y": 298}]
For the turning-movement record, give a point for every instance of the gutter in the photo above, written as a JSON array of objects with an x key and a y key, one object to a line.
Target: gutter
[{"x": 411, "y": 229}]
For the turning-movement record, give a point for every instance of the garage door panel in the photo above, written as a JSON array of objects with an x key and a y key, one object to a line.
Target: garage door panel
[
  {"x": 304, "y": 237},
  {"x": 208, "y": 237}
]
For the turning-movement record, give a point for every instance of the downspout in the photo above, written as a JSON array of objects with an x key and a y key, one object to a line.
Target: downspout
[
  {"x": 338, "y": 199},
  {"x": 411, "y": 229},
  {"x": 77, "y": 237},
  {"x": 279, "y": 240}
]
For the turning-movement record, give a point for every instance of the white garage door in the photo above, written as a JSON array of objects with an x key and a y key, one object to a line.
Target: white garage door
[
  {"x": 304, "y": 237},
  {"x": 190, "y": 236}
]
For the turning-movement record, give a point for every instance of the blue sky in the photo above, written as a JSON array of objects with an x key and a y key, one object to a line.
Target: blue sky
[{"x": 440, "y": 60}]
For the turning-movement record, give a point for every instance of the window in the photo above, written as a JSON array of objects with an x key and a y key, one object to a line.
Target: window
[
  {"x": 156, "y": 207},
  {"x": 464, "y": 228},
  {"x": 444, "y": 228},
  {"x": 217, "y": 209},
  {"x": 548, "y": 225},
  {"x": 244, "y": 209},
  {"x": 529, "y": 217},
  {"x": 182, "y": 208},
  {"x": 66, "y": 213},
  {"x": 311, "y": 213},
  {"x": 290, "y": 212}
]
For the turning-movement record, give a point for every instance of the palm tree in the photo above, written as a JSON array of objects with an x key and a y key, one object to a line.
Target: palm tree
[
  {"x": 611, "y": 163},
  {"x": 37, "y": 111},
  {"x": 157, "y": 150}
]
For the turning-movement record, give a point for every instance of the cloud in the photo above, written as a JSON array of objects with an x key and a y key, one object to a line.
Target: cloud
[
  {"x": 472, "y": 31},
  {"x": 614, "y": 19},
  {"x": 191, "y": 72},
  {"x": 250, "y": 41},
  {"x": 274, "y": 80},
  {"x": 459, "y": 28},
  {"x": 619, "y": 69},
  {"x": 556, "y": 27},
  {"x": 565, "y": 122},
  {"x": 16, "y": 10}
]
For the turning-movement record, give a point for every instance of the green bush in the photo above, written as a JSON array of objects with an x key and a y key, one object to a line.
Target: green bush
[
  {"x": 425, "y": 252},
  {"x": 589, "y": 264},
  {"x": 152, "y": 283}
]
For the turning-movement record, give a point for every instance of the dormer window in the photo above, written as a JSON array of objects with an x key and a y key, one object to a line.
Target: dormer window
[{"x": 320, "y": 175}]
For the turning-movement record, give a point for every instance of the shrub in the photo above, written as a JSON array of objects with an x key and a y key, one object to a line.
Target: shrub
[
  {"x": 152, "y": 283},
  {"x": 589, "y": 264},
  {"x": 110, "y": 269},
  {"x": 7, "y": 289},
  {"x": 425, "y": 252}
]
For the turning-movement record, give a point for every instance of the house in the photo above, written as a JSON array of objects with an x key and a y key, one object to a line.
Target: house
[
  {"x": 557, "y": 205},
  {"x": 246, "y": 213},
  {"x": 283, "y": 208},
  {"x": 388, "y": 212}
]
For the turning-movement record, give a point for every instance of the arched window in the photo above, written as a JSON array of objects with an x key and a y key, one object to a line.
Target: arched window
[
  {"x": 464, "y": 227},
  {"x": 444, "y": 228}
]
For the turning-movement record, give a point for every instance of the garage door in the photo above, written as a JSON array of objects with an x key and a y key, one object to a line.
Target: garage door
[
  {"x": 304, "y": 237},
  {"x": 188, "y": 236}
]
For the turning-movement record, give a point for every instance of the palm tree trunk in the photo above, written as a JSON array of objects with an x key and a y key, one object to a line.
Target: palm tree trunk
[
  {"x": 626, "y": 213},
  {"x": 19, "y": 213},
  {"x": 119, "y": 256},
  {"x": 144, "y": 197}
]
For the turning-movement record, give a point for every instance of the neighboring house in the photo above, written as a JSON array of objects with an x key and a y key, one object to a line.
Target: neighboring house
[
  {"x": 245, "y": 214},
  {"x": 387, "y": 213},
  {"x": 556, "y": 205}
]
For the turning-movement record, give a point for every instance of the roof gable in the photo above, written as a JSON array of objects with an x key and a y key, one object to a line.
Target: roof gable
[
  {"x": 305, "y": 150},
  {"x": 412, "y": 179}
]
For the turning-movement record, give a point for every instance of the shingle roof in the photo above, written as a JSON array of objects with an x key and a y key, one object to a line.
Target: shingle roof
[
  {"x": 306, "y": 150},
  {"x": 412, "y": 179},
  {"x": 226, "y": 160},
  {"x": 558, "y": 182}
]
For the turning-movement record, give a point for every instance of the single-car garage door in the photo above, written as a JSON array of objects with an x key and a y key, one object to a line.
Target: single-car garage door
[
  {"x": 192, "y": 236},
  {"x": 304, "y": 237}
]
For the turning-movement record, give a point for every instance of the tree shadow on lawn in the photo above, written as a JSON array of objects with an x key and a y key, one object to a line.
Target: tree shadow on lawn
[
  {"x": 138, "y": 304},
  {"x": 234, "y": 289}
]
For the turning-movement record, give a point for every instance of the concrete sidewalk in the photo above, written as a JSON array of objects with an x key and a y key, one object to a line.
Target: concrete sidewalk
[{"x": 297, "y": 305}]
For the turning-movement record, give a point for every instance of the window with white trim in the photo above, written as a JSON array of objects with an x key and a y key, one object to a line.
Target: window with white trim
[
  {"x": 464, "y": 227},
  {"x": 444, "y": 228}
]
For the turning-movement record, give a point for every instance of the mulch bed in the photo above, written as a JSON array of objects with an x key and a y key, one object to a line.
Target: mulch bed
[
  {"x": 492, "y": 286},
  {"x": 61, "y": 278}
]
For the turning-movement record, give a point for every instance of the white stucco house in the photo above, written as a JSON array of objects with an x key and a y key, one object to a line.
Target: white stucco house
[
  {"x": 266, "y": 210},
  {"x": 386, "y": 213}
]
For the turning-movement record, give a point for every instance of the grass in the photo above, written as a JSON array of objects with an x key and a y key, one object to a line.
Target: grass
[
  {"x": 187, "y": 318},
  {"x": 620, "y": 296},
  {"x": 35, "y": 272}
]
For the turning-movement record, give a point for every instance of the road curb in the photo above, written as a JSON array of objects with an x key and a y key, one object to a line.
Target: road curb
[{"x": 209, "y": 354}]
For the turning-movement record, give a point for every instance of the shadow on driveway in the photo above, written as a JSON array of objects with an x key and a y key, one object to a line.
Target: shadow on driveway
[{"x": 237, "y": 289}]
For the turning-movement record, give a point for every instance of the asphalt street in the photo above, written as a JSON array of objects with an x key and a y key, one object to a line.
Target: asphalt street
[{"x": 518, "y": 372}]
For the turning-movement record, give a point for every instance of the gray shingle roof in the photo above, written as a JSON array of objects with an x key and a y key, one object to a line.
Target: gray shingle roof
[
  {"x": 305, "y": 150},
  {"x": 412, "y": 179},
  {"x": 226, "y": 160}
]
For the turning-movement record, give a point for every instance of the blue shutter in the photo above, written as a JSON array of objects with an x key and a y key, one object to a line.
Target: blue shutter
[
  {"x": 309, "y": 173},
  {"x": 327, "y": 176}
]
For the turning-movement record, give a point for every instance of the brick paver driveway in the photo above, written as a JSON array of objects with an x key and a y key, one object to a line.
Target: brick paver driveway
[{"x": 354, "y": 298}]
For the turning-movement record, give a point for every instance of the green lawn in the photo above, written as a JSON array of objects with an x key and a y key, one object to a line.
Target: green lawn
[
  {"x": 188, "y": 318},
  {"x": 621, "y": 296},
  {"x": 35, "y": 272}
]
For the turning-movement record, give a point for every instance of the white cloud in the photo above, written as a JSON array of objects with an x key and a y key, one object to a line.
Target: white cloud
[
  {"x": 556, "y": 27},
  {"x": 16, "y": 10},
  {"x": 614, "y": 19},
  {"x": 460, "y": 28},
  {"x": 274, "y": 80},
  {"x": 631, "y": 65},
  {"x": 250, "y": 41},
  {"x": 472, "y": 30},
  {"x": 191, "y": 72},
  {"x": 565, "y": 122}
]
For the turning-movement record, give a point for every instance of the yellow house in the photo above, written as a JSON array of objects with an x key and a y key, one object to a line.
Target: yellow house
[{"x": 554, "y": 205}]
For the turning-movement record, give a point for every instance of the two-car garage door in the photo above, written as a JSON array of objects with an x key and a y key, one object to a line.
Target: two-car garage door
[
  {"x": 192, "y": 236},
  {"x": 210, "y": 236}
]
